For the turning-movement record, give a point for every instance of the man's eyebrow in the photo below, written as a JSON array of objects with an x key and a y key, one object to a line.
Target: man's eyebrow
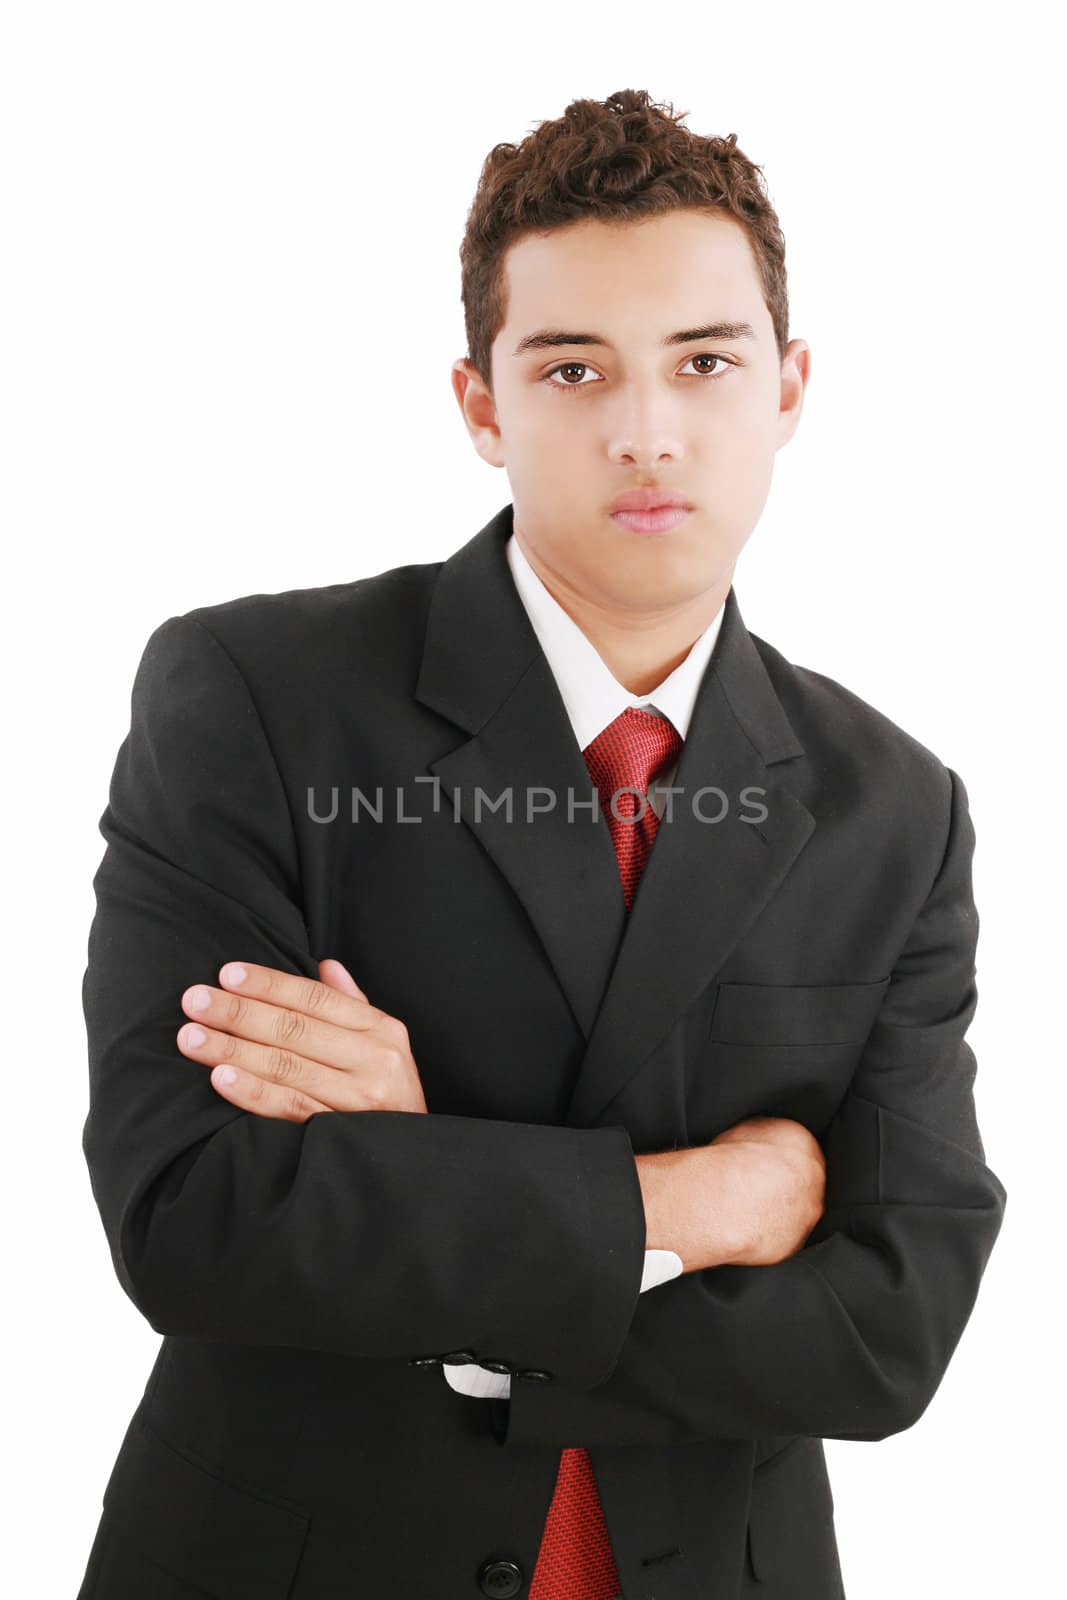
[{"x": 549, "y": 338}]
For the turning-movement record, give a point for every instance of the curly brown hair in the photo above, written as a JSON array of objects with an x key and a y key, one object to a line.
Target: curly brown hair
[{"x": 622, "y": 158}]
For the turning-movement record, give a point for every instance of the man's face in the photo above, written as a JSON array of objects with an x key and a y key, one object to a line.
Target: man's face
[{"x": 579, "y": 422}]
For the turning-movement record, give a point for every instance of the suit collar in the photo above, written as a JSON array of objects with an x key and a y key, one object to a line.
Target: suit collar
[{"x": 627, "y": 978}]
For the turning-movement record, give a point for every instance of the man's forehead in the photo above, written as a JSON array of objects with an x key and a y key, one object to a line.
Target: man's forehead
[
  {"x": 659, "y": 239},
  {"x": 585, "y": 275}
]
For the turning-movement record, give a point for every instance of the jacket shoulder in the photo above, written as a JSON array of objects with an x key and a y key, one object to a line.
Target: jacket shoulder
[
  {"x": 375, "y": 607},
  {"x": 315, "y": 637},
  {"x": 848, "y": 738}
]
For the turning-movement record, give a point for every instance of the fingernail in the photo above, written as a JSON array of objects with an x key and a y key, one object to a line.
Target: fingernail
[
  {"x": 232, "y": 972},
  {"x": 224, "y": 1075}
]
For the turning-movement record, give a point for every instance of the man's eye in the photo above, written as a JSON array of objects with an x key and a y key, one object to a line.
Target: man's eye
[
  {"x": 568, "y": 366},
  {"x": 582, "y": 367},
  {"x": 704, "y": 357}
]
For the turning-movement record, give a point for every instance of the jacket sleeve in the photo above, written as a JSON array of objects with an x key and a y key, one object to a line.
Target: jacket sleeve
[
  {"x": 850, "y": 1337},
  {"x": 374, "y": 1234}
]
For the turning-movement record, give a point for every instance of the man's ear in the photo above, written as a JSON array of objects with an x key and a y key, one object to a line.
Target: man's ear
[
  {"x": 479, "y": 411},
  {"x": 796, "y": 370}
]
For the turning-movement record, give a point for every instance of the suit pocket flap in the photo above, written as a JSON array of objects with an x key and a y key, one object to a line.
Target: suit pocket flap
[
  {"x": 792, "y": 1543},
  {"x": 783, "y": 1014},
  {"x": 231, "y": 1542}
]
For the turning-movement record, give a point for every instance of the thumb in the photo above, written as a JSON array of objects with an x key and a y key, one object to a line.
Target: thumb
[{"x": 336, "y": 976}]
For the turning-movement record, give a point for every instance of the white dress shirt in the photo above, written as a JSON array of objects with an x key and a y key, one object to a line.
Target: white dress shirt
[{"x": 594, "y": 698}]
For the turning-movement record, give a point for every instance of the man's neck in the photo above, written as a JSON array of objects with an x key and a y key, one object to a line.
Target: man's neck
[{"x": 639, "y": 649}]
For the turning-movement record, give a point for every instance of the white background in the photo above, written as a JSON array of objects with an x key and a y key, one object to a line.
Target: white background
[{"x": 229, "y": 306}]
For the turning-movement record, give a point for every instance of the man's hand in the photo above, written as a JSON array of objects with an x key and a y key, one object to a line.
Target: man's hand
[
  {"x": 749, "y": 1198},
  {"x": 297, "y": 1046}
]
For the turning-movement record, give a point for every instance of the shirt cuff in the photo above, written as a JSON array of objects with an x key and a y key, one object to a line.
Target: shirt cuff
[{"x": 481, "y": 1384}]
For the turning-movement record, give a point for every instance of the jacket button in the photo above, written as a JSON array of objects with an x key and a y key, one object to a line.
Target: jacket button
[
  {"x": 496, "y": 1366},
  {"x": 424, "y": 1361},
  {"x": 535, "y": 1375},
  {"x": 500, "y": 1579},
  {"x": 459, "y": 1358}
]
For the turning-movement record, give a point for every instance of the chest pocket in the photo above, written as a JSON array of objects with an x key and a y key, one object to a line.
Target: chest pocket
[
  {"x": 781, "y": 1016},
  {"x": 779, "y": 1050}
]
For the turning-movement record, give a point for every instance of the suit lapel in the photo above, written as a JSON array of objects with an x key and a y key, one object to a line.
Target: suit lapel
[
  {"x": 627, "y": 978},
  {"x": 483, "y": 667}
]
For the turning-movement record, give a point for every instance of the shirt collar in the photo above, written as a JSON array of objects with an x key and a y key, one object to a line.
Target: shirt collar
[{"x": 593, "y": 696}]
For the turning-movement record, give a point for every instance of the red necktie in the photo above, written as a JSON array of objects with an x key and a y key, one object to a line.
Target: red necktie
[{"x": 575, "y": 1561}]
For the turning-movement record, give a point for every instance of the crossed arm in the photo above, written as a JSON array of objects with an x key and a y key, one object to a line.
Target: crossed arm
[
  {"x": 229, "y": 1222},
  {"x": 289, "y": 1047}
]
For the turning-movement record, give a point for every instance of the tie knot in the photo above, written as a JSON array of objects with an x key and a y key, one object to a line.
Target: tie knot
[{"x": 631, "y": 750}]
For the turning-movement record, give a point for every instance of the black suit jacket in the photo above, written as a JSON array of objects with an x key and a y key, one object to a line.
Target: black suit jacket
[{"x": 811, "y": 956}]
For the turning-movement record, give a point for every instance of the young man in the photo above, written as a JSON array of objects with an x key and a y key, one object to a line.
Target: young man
[{"x": 593, "y": 982}]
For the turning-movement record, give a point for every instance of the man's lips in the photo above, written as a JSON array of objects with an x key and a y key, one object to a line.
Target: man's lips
[{"x": 659, "y": 520}]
